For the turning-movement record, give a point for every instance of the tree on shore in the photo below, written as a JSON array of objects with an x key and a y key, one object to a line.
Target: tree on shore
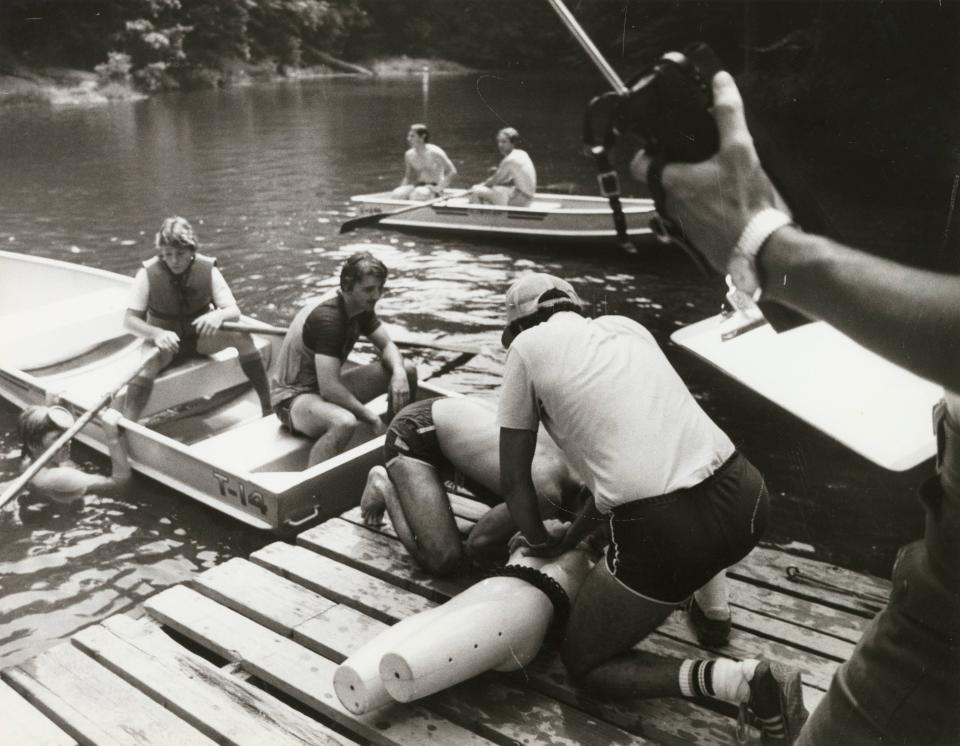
[{"x": 171, "y": 43}]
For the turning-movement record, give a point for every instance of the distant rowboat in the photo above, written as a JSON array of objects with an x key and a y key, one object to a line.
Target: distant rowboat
[
  {"x": 555, "y": 216},
  {"x": 61, "y": 331}
]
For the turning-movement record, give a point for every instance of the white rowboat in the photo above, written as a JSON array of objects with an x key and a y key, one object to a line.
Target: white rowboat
[
  {"x": 61, "y": 332},
  {"x": 575, "y": 218}
]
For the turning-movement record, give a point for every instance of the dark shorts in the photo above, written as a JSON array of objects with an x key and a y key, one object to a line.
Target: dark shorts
[
  {"x": 413, "y": 434},
  {"x": 664, "y": 548},
  {"x": 901, "y": 685},
  {"x": 282, "y": 410},
  {"x": 187, "y": 350}
]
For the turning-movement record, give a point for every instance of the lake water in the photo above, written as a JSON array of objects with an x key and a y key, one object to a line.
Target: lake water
[{"x": 265, "y": 174}]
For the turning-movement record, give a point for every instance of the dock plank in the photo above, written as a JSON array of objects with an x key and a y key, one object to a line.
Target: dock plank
[
  {"x": 506, "y": 713},
  {"x": 272, "y": 600},
  {"x": 22, "y": 724},
  {"x": 228, "y": 710},
  {"x": 699, "y": 724},
  {"x": 296, "y": 671},
  {"x": 336, "y": 580},
  {"x": 94, "y": 705},
  {"x": 769, "y": 567},
  {"x": 249, "y": 589},
  {"x": 843, "y": 625},
  {"x": 380, "y": 553}
]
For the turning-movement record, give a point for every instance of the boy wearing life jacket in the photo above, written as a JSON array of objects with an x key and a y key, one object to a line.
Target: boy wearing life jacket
[{"x": 178, "y": 302}]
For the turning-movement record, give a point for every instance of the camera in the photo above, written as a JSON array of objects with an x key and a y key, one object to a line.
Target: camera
[{"x": 666, "y": 108}]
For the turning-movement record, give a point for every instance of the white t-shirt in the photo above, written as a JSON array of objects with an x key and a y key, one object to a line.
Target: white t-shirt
[
  {"x": 610, "y": 399},
  {"x": 140, "y": 291}
]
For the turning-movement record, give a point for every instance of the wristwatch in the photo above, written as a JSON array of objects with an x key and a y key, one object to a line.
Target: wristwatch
[{"x": 742, "y": 265}]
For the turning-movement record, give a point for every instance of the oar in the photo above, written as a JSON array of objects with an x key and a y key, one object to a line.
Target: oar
[
  {"x": 235, "y": 326},
  {"x": 376, "y": 217},
  {"x": 239, "y": 326},
  {"x": 20, "y": 482}
]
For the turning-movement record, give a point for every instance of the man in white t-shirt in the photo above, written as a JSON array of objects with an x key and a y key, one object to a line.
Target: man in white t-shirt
[
  {"x": 178, "y": 302},
  {"x": 682, "y": 503},
  {"x": 515, "y": 180}
]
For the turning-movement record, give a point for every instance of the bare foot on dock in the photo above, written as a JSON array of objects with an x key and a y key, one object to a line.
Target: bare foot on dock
[{"x": 373, "y": 503}]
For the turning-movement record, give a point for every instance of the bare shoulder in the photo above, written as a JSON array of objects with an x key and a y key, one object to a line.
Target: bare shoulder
[{"x": 62, "y": 482}]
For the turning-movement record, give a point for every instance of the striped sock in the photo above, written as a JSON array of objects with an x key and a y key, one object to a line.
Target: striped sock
[
  {"x": 696, "y": 678},
  {"x": 722, "y": 678}
]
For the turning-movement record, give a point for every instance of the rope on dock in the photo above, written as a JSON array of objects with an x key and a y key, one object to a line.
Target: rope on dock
[{"x": 796, "y": 575}]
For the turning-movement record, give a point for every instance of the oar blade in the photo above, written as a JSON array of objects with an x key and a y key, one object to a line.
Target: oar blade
[
  {"x": 362, "y": 221},
  {"x": 374, "y": 218}
]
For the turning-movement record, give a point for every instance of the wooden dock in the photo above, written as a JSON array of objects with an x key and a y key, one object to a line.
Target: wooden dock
[{"x": 244, "y": 654}]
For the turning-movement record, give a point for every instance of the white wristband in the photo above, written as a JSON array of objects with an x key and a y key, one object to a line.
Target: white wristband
[{"x": 742, "y": 265}]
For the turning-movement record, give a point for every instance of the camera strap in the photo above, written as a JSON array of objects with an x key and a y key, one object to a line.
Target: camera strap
[
  {"x": 598, "y": 118},
  {"x": 609, "y": 183}
]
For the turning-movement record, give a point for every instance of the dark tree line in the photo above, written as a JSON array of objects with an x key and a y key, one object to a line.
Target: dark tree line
[
  {"x": 833, "y": 64},
  {"x": 795, "y": 37},
  {"x": 168, "y": 43}
]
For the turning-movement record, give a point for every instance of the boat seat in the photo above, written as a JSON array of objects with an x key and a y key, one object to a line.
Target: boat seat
[
  {"x": 54, "y": 332},
  {"x": 200, "y": 377},
  {"x": 263, "y": 445},
  {"x": 250, "y": 446}
]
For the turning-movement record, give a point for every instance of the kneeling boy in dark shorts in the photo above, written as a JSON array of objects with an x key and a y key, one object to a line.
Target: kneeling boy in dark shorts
[{"x": 454, "y": 438}]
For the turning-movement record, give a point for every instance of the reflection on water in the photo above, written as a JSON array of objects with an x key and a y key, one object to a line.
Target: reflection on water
[
  {"x": 65, "y": 566},
  {"x": 265, "y": 173}
]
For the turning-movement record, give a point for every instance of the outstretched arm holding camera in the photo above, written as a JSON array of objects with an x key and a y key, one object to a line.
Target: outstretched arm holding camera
[
  {"x": 908, "y": 315},
  {"x": 902, "y": 682}
]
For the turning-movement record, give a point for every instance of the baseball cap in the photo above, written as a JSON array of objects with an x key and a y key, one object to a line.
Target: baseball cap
[{"x": 530, "y": 294}]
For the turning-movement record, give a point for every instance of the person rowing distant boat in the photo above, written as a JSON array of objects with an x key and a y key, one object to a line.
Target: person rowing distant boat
[
  {"x": 62, "y": 481},
  {"x": 514, "y": 182},
  {"x": 316, "y": 392},
  {"x": 456, "y": 438},
  {"x": 178, "y": 302},
  {"x": 428, "y": 169}
]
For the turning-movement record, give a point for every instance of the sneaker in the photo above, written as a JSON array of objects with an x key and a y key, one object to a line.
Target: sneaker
[
  {"x": 711, "y": 633},
  {"x": 776, "y": 704}
]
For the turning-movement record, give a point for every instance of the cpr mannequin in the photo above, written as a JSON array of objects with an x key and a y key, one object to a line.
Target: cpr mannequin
[{"x": 498, "y": 624}]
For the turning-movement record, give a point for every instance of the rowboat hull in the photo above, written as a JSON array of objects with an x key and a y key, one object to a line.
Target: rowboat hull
[
  {"x": 558, "y": 217},
  {"x": 202, "y": 432}
]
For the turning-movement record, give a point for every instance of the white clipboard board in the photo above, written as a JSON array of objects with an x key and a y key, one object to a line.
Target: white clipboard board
[{"x": 877, "y": 409}]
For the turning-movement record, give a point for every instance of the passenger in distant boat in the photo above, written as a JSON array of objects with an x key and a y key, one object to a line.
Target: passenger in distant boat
[
  {"x": 178, "y": 302},
  {"x": 61, "y": 480},
  {"x": 318, "y": 393},
  {"x": 428, "y": 169},
  {"x": 682, "y": 503},
  {"x": 902, "y": 683},
  {"x": 514, "y": 182},
  {"x": 455, "y": 439}
]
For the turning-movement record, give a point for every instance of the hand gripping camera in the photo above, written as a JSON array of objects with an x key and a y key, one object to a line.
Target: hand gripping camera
[
  {"x": 666, "y": 111},
  {"x": 666, "y": 107}
]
